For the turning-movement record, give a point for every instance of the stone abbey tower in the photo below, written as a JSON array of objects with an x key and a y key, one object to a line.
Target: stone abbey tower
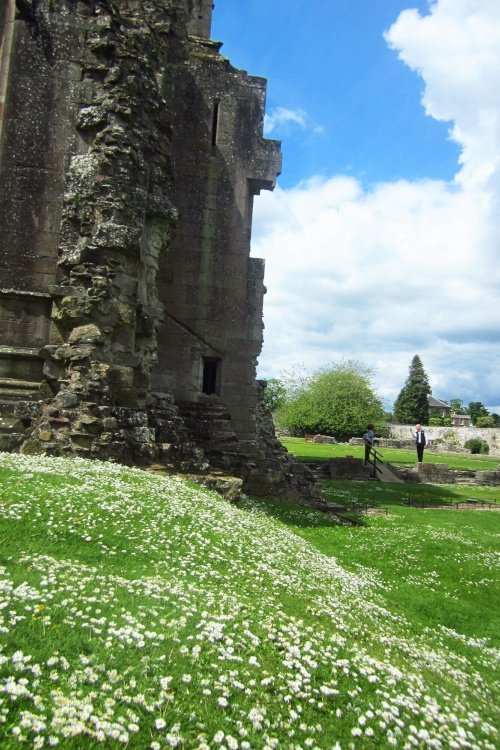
[{"x": 130, "y": 308}]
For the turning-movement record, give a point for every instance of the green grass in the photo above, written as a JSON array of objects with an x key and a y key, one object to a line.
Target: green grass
[
  {"x": 317, "y": 452},
  {"x": 435, "y": 574},
  {"x": 139, "y": 611},
  {"x": 420, "y": 495}
]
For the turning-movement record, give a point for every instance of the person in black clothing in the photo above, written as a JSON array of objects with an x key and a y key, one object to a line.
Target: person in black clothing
[
  {"x": 420, "y": 441},
  {"x": 368, "y": 439}
]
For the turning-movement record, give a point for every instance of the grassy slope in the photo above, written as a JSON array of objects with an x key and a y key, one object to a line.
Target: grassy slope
[{"x": 135, "y": 609}]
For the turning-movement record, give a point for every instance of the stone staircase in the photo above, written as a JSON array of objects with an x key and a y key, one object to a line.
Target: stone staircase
[
  {"x": 387, "y": 473},
  {"x": 19, "y": 401},
  {"x": 266, "y": 468},
  {"x": 209, "y": 427}
]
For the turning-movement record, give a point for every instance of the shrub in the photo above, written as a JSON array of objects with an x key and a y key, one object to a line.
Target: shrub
[
  {"x": 485, "y": 422},
  {"x": 440, "y": 421},
  {"x": 476, "y": 445}
]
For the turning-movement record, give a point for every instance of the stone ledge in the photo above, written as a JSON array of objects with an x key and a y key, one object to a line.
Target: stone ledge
[
  {"x": 23, "y": 294},
  {"x": 19, "y": 351}
]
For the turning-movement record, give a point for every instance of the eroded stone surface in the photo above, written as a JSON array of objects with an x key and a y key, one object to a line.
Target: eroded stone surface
[{"x": 130, "y": 154}]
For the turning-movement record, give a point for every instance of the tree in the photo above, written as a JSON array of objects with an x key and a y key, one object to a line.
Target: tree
[
  {"x": 412, "y": 406},
  {"x": 457, "y": 406},
  {"x": 296, "y": 380},
  {"x": 337, "y": 400},
  {"x": 476, "y": 410},
  {"x": 440, "y": 421},
  {"x": 274, "y": 394},
  {"x": 485, "y": 421}
]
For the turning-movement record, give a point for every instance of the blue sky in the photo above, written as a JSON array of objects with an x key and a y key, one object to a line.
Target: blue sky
[
  {"x": 382, "y": 237},
  {"x": 331, "y": 61}
]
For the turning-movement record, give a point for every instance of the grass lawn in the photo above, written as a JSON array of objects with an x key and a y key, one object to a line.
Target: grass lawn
[
  {"x": 383, "y": 494},
  {"x": 317, "y": 452},
  {"x": 427, "y": 561},
  {"x": 138, "y": 611}
]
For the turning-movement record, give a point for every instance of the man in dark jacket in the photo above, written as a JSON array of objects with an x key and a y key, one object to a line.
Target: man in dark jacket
[{"x": 420, "y": 442}]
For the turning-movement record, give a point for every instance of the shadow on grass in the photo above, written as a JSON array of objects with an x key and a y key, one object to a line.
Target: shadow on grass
[
  {"x": 356, "y": 497},
  {"x": 294, "y": 516},
  {"x": 376, "y": 494}
]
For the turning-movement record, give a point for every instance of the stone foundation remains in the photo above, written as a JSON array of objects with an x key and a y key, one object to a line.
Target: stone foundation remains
[{"x": 130, "y": 308}]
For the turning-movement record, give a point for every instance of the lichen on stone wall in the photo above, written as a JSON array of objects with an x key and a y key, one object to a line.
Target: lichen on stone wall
[
  {"x": 115, "y": 194},
  {"x": 80, "y": 179},
  {"x": 117, "y": 219}
]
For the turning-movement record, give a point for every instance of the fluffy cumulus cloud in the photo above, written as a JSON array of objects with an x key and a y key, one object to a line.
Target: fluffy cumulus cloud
[
  {"x": 407, "y": 267},
  {"x": 456, "y": 49}
]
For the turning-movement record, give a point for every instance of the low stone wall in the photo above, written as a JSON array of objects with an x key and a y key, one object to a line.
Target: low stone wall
[
  {"x": 429, "y": 473},
  {"x": 489, "y": 478},
  {"x": 426, "y": 473},
  {"x": 319, "y": 439},
  {"x": 385, "y": 442},
  {"x": 435, "y": 474},
  {"x": 348, "y": 468},
  {"x": 452, "y": 436}
]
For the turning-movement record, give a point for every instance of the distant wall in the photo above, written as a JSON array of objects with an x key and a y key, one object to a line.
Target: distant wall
[{"x": 454, "y": 435}]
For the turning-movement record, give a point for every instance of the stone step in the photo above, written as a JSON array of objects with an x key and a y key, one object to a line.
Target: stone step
[
  {"x": 208, "y": 424},
  {"x": 209, "y": 411},
  {"x": 385, "y": 473},
  {"x": 21, "y": 390},
  {"x": 18, "y": 383}
]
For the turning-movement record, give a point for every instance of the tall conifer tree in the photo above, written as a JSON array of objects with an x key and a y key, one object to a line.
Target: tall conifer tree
[{"x": 412, "y": 406}]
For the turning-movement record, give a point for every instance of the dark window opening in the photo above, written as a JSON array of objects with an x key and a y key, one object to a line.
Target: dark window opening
[
  {"x": 211, "y": 375},
  {"x": 215, "y": 121}
]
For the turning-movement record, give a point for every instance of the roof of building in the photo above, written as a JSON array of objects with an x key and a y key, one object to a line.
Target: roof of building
[{"x": 436, "y": 403}]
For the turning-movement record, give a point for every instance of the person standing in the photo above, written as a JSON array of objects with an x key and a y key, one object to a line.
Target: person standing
[
  {"x": 420, "y": 441},
  {"x": 368, "y": 439}
]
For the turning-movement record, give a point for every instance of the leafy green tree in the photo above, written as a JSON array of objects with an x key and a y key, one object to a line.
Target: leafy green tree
[
  {"x": 338, "y": 400},
  {"x": 274, "y": 394},
  {"x": 296, "y": 380},
  {"x": 412, "y": 406},
  {"x": 476, "y": 410},
  {"x": 440, "y": 421},
  {"x": 496, "y": 419},
  {"x": 457, "y": 406},
  {"x": 485, "y": 421}
]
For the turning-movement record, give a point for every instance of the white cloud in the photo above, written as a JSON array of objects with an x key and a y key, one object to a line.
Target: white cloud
[
  {"x": 284, "y": 116},
  {"x": 288, "y": 118},
  {"x": 456, "y": 50},
  {"x": 407, "y": 267}
]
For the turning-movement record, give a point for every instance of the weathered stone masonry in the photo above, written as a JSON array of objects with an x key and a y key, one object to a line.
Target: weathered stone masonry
[{"x": 130, "y": 308}]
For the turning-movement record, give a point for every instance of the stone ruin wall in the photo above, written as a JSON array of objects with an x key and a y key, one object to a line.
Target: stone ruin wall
[
  {"x": 452, "y": 436},
  {"x": 130, "y": 310}
]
